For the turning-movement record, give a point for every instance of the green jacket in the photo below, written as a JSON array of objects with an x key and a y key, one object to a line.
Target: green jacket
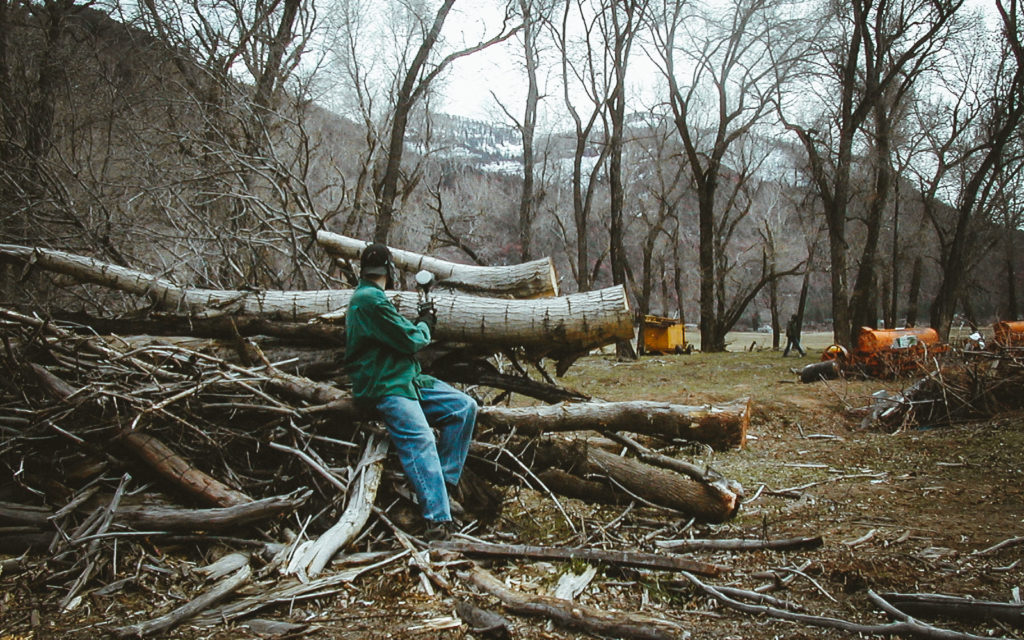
[{"x": 379, "y": 347}]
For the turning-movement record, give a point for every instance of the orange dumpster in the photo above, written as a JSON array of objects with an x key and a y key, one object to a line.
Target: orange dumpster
[{"x": 1009, "y": 334}]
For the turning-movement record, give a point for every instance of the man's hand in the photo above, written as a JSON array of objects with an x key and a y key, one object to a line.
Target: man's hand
[{"x": 427, "y": 315}]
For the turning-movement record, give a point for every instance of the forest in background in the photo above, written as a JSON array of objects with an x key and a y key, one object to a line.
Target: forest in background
[{"x": 854, "y": 163}]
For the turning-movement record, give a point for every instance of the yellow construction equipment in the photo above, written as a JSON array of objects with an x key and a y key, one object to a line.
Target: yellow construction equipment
[{"x": 662, "y": 335}]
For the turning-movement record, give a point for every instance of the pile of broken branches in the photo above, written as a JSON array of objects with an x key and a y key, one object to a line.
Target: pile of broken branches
[{"x": 978, "y": 384}]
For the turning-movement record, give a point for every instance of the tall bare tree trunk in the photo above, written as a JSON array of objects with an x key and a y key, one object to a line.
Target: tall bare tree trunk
[{"x": 386, "y": 189}]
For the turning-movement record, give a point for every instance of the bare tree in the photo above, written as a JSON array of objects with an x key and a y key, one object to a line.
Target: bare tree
[
  {"x": 416, "y": 80},
  {"x": 967, "y": 127},
  {"x": 583, "y": 68},
  {"x": 721, "y": 86},
  {"x": 867, "y": 47}
]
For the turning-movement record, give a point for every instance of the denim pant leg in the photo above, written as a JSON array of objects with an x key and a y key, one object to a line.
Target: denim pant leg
[
  {"x": 417, "y": 451},
  {"x": 453, "y": 414}
]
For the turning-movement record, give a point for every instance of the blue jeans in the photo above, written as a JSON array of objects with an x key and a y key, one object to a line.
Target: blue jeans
[{"x": 431, "y": 462}]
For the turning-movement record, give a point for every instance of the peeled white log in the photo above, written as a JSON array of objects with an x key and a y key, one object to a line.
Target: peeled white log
[
  {"x": 567, "y": 324},
  {"x": 527, "y": 280},
  {"x": 354, "y": 518}
]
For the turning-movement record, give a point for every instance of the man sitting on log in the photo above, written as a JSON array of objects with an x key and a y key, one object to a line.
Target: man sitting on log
[{"x": 380, "y": 348}]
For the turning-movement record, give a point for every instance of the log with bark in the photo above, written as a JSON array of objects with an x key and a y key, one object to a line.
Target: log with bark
[
  {"x": 720, "y": 426},
  {"x": 533, "y": 279},
  {"x": 576, "y": 469},
  {"x": 563, "y": 326}
]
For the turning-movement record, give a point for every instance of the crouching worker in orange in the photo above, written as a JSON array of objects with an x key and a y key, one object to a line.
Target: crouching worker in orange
[{"x": 380, "y": 348}]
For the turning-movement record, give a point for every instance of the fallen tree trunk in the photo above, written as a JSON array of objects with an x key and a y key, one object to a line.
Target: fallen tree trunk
[
  {"x": 533, "y": 279},
  {"x": 930, "y": 605},
  {"x": 563, "y": 326},
  {"x": 177, "y": 519},
  {"x": 168, "y": 518},
  {"x": 722, "y": 426},
  {"x": 581, "y": 466},
  {"x": 782, "y": 544},
  {"x": 572, "y": 614}
]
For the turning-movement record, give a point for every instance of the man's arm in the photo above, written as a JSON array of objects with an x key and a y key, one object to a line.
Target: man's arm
[{"x": 397, "y": 331}]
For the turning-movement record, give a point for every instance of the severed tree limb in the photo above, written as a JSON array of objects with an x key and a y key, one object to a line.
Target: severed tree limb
[
  {"x": 165, "y": 518},
  {"x": 783, "y": 544},
  {"x": 360, "y": 506},
  {"x": 560, "y": 325},
  {"x": 942, "y": 606},
  {"x": 721, "y": 426},
  {"x": 180, "y": 472},
  {"x": 575, "y": 615},
  {"x": 906, "y": 627},
  {"x": 221, "y": 590},
  {"x": 621, "y": 558},
  {"x": 715, "y": 502},
  {"x": 288, "y": 591},
  {"x": 532, "y": 279},
  {"x": 151, "y": 450}
]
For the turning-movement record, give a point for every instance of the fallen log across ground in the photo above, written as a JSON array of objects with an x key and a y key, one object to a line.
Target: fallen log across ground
[
  {"x": 933, "y": 605},
  {"x": 720, "y": 426},
  {"x": 779, "y": 544},
  {"x": 536, "y": 278},
  {"x": 576, "y": 469},
  {"x": 163, "y": 517},
  {"x": 560, "y": 327},
  {"x": 904, "y": 627}
]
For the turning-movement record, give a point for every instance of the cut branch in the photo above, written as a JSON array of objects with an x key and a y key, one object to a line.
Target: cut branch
[
  {"x": 575, "y": 615},
  {"x": 537, "y": 278},
  {"x": 636, "y": 559},
  {"x": 721, "y": 426}
]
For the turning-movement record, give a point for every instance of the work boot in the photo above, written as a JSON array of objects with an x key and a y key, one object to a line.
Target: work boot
[
  {"x": 455, "y": 501},
  {"x": 437, "y": 531}
]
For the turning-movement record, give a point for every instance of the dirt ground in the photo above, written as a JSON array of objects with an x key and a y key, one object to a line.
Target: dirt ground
[{"x": 905, "y": 512}]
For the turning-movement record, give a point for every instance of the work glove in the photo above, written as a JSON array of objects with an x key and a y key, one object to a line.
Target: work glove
[{"x": 427, "y": 315}]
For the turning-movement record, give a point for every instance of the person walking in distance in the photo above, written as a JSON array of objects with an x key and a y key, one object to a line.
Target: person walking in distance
[
  {"x": 793, "y": 337},
  {"x": 380, "y": 358}
]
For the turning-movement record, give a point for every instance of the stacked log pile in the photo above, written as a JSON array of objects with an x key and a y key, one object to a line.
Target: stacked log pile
[{"x": 239, "y": 428}]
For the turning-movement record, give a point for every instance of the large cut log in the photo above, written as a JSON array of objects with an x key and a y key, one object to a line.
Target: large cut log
[
  {"x": 563, "y": 325},
  {"x": 532, "y": 279},
  {"x": 720, "y": 426},
  {"x": 582, "y": 468}
]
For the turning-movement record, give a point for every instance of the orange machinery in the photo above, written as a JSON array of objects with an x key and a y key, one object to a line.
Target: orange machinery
[
  {"x": 880, "y": 353},
  {"x": 1009, "y": 334}
]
